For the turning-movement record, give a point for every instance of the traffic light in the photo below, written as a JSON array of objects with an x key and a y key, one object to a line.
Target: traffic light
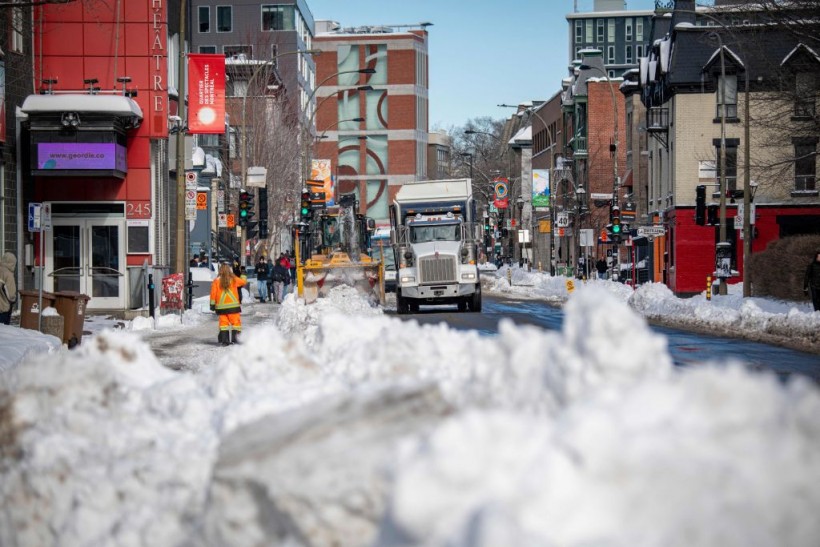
[
  {"x": 616, "y": 221},
  {"x": 245, "y": 207},
  {"x": 700, "y": 205},
  {"x": 487, "y": 226},
  {"x": 263, "y": 229},
  {"x": 304, "y": 205},
  {"x": 712, "y": 214}
]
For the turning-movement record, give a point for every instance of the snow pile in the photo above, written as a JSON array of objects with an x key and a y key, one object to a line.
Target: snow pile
[
  {"x": 329, "y": 426},
  {"x": 18, "y": 343},
  {"x": 685, "y": 462},
  {"x": 731, "y": 313}
]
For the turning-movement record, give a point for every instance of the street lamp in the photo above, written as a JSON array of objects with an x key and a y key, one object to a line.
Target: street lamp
[
  {"x": 550, "y": 146},
  {"x": 309, "y": 123},
  {"x": 519, "y": 202}
]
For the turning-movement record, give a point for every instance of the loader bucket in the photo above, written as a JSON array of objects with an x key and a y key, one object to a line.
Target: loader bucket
[{"x": 323, "y": 273}]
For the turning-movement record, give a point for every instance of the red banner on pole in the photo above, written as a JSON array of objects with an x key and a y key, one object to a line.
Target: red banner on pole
[
  {"x": 501, "y": 203},
  {"x": 206, "y": 96}
]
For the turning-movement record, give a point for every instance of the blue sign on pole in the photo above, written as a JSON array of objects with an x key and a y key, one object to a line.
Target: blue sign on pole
[{"x": 34, "y": 216}]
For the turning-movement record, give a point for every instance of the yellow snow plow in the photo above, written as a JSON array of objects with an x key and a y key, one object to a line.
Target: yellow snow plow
[{"x": 334, "y": 256}]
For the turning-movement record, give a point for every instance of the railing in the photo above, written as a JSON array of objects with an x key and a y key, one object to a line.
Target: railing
[
  {"x": 657, "y": 119},
  {"x": 579, "y": 145}
]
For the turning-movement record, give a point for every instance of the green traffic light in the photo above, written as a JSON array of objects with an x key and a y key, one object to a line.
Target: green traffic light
[
  {"x": 243, "y": 213},
  {"x": 304, "y": 211},
  {"x": 616, "y": 228}
]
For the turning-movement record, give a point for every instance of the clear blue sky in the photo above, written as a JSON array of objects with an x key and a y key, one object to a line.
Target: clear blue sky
[{"x": 482, "y": 52}]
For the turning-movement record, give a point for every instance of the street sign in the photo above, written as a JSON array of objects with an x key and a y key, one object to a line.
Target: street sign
[
  {"x": 222, "y": 219},
  {"x": 651, "y": 231},
  {"x": 562, "y": 220},
  {"x": 45, "y": 217},
  {"x": 586, "y": 238},
  {"x": 739, "y": 216},
  {"x": 523, "y": 236},
  {"x": 544, "y": 226},
  {"x": 34, "y": 217},
  {"x": 220, "y": 201},
  {"x": 190, "y": 180},
  {"x": 190, "y": 204},
  {"x": 594, "y": 195},
  {"x": 231, "y": 220}
]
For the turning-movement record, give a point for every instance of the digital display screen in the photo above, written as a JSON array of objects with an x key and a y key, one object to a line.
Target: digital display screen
[{"x": 73, "y": 156}]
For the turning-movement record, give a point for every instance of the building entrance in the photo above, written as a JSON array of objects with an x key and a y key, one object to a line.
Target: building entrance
[{"x": 88, "y": 256}]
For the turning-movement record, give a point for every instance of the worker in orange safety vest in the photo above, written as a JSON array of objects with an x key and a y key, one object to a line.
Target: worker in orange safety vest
[{"x": 225, "y": 301}]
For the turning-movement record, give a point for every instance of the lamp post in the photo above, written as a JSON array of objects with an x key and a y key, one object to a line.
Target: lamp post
[
  {"x": 519, "y": 202},
  {"x": 244, "y": 140},
  {"x": 182, "y": 251},
  {"x": 550, "y": 146}
]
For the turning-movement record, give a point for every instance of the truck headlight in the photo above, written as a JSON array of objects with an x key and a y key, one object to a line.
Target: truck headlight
[
  {"x": 468, "y": 276},
  {"x": 408, "y": 279}
]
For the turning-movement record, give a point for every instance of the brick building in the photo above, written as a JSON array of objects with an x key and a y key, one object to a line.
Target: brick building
[{"x": 372, "y": 126}]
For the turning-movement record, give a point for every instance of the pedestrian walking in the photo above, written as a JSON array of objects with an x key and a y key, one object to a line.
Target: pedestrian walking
[
  {"x": 601, "y": 267},
  {"x": 281, "y": 276},
  {"x": 225, "y": 301},
  {"x": 8, "y": 287},
  {"x": 262, "y": 279},
  {"x": 287, "y": 265},
  {"x": 811, "y": 283}
]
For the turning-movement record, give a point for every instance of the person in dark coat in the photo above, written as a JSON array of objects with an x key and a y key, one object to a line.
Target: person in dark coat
[
  {"x": 281, "y": 277},
  {"x": 262, "y": 279},
  {"x": 601, "y": 267},
  {"x": 8, "y": 287},
  {"x": 811, "y": 283}
]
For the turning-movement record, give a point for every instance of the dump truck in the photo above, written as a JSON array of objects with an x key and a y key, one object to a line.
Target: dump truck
[
  {"x": 435, "y": 241},
  {"x": 333, "y": 251}
]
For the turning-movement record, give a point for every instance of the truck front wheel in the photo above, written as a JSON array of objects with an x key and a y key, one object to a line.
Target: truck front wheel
[
  {"x": 402, "y": 307},
  {"x": 475, "y": 300}
]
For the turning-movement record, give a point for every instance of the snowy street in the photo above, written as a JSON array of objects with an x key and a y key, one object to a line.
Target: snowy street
[{"x": 338, "y": 424}]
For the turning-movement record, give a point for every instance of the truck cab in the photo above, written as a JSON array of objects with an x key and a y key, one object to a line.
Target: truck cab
[{"x": 435, "y": 242}]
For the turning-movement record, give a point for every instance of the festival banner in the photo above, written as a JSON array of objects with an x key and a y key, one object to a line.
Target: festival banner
[
  {"x": 540, "y": 188},
  {"x": 206, "y": 97}
]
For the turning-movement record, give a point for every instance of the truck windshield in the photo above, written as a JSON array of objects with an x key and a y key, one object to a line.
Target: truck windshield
[{"x": 438, "y": 232}]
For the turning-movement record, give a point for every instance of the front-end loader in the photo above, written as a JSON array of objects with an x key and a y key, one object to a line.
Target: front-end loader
[{"x": 335, "y": 253}]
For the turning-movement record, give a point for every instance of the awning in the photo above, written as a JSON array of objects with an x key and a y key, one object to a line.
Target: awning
[{"x": 115, "y": 105}]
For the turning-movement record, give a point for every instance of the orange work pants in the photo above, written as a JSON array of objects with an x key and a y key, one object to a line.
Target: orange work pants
[{"x": 230, "y": 321}]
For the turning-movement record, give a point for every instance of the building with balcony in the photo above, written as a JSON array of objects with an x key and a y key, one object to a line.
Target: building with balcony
[
  {"x": 372, "y": 110},
  {"x": 696, "y": 85}
]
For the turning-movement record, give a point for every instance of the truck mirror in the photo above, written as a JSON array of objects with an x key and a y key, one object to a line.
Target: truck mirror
[{"x": 371, "y": 224}]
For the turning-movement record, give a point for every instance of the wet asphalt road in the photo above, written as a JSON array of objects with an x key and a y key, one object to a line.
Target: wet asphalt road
[{"x": 686, "y": 348}]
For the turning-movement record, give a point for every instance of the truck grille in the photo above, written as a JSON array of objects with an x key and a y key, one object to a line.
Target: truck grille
[{"x": 437, "y": 269}]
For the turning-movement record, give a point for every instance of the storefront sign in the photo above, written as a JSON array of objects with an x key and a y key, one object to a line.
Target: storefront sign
[
  {"x": 320, "y": 173},
  {"x": 206, "y": 112},
  {"x": 158, "y": 66},
  {"x": 75, "y": 156}
]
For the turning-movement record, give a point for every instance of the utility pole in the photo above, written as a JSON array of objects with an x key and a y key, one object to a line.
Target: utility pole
[{"x": 182, "y": 231}]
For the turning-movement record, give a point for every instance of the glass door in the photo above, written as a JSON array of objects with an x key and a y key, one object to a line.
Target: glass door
[{"x": 87, "y": 255}]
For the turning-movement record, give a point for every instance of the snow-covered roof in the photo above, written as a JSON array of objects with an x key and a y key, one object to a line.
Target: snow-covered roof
[
  {"x": 524, "y": 135},
  {"x": 732, "y": 55},
  {"x": 117, "y": 105},
  {"x": 798, "y": 47}
]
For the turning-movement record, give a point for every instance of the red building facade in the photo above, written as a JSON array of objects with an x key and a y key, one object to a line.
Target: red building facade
[{"x": 97, "y": 137}]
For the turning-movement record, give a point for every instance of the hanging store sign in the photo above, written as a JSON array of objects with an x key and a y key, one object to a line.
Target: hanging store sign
[{"x": 206, "y": 76}]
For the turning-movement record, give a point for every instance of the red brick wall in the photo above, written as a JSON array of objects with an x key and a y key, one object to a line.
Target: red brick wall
[{"x": 601, "y": 119}]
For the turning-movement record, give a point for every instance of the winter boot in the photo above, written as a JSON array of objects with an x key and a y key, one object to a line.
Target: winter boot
[
  {"x": 234, "y": 337},
  {"x": 224, "y": 338}
]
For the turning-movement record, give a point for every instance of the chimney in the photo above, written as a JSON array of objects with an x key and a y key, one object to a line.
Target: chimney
[{"x": 684, "y": 12}]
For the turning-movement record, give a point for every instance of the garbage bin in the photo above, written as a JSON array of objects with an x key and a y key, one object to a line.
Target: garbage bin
[
  {"x": 30, "y": 308},
  {"x": 71, "y": 305}
]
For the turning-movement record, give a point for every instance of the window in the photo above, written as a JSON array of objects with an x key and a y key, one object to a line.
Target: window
[
  {"x": 805, "y": 95},
  {"x": 707, "y": 169},
  {"x": 639, "y": 51},
  {"x": 278, "y": 18},
  {"x": 805, "y": 165},
  {"x": 730, "y": 86},
  {"x": 639, "y": 30},
  {"x": 628, "y": 59},
  {"x": 731, "y": 165},
  {"x": 629, "y": 28},
  {"x": 610, "y": 33},
  {"x": 579, "y": 32},
  {"x": 207, "y": 49},
  {"x": 610, "y": 55},
  {"x": 204, "y": 19},
  {"x": 17, "y": 42},
  {"x": 601, "y": 29},
  {"x": 611, "y": 74},
  {"x": 578, "y": 52},
  {"x": 589, "y": 30},
  {"x": 224, "y": 19}
]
